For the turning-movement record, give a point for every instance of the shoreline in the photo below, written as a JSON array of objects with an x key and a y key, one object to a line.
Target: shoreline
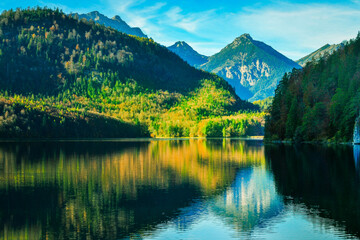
[
  {"x": 139, "y": 139},
  {"x": 149, "y": 139},
  {"x": 310, "y": 142}
]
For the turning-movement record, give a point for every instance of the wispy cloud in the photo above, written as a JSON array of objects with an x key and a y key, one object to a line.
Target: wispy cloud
[
  {"x": 135, "y": 14},
  {"x": 189, "y": 22},
  {"x": 299, "y": 28},
  {"x": 163, "y": 22},
  {"x": 125, "y": 5},
  {"x": 294, "y": 29}
]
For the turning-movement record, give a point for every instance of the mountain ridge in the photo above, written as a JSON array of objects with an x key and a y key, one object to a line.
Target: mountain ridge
[
  {"x": 188, "y": 54},
  {"x": 325, "y": 50},
  {"x": 251, "y": 66},
  {"x": 115, "y": 22}
]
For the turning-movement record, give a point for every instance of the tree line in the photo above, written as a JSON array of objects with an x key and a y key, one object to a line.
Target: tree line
[{"x": 319, "y": 102}]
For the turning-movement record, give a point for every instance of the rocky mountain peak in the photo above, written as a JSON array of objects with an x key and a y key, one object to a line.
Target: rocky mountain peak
[
  {"x": 187, "y": 53},
  {"x": 251, "y": 66},
  {"x": 182, "y": 44},
  {"x": 94, "y": 13},
  {"x": 115, "y": 22},
  {"x": 117, "y": 18},
  {"x": 243, "y": 39},
  {"x": 246, "y": 36}
]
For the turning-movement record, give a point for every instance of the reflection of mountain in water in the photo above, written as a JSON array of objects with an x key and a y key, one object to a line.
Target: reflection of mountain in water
[
  {"x": 250, "y": 201},
  {"x": 318, "y": 187}
]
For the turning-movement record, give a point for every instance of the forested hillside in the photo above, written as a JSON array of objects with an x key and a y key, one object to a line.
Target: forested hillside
[
  {"x": 319, "y": 102},
  {"x": 54, "y": 68},
  {"x": 45, "y": 51}
]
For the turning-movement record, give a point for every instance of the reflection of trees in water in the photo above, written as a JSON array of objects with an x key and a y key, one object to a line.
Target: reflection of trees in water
[
  {"x": 325, "y": 179},
  {"x": 110, "y": 190}
]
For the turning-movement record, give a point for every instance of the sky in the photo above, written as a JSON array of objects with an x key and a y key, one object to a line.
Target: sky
[{"x": 294, "y": 28}]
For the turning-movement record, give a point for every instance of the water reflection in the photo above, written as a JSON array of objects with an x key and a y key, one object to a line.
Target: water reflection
[
  {"x": 109, "y": 190},
  {"x": 357, "y": 156},
  {"x": 250, "y": 201},
  {"x": 214, "y": 189},
  {"x": 324, "y": 179}
]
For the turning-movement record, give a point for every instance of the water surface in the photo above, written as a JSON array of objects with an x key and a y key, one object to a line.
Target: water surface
[{"x": 178, "y": 189}]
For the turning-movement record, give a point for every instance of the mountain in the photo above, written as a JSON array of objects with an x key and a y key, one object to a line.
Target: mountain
[
  {"x": 188, "y": 54},
  {"x": 116, "y": 22},
  {"x": 319, "y": 102},
  {"x": 252, "y": 67},
  {"x": 61, "y": 77},
  {"x": 321, "y": 52}
]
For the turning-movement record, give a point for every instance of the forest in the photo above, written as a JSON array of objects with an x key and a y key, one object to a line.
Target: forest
[
  {"x": 319, "y": 102},
  {"x": 66, "y": 77}
]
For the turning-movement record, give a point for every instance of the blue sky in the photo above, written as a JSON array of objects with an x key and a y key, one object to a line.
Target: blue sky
[{"x": 294, "y": 28}]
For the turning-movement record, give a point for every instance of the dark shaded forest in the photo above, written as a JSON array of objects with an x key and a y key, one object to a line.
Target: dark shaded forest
[{"x": 319, "y": 102}]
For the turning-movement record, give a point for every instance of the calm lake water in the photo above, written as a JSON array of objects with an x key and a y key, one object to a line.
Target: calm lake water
[{"x": 178, "y": 189}]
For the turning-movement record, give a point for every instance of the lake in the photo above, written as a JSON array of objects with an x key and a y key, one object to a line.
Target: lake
[{"x": 178, "y": 189}]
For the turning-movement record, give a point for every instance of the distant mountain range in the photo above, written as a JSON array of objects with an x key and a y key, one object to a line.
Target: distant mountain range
[
  {"x": 252, "y": 67},
  {"x": 321, "y": 52},
  {"x": 116, "y": 22},
  {"x": 187, "y": 53}
]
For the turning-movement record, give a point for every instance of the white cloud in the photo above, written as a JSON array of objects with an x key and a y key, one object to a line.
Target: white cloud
[
  {"x": 300, "y": 28},
  {"x": 293, "y": 29},
  {"x": 137, "y": 16},
  {"x": 124, "y": 5},
  {"x": 166, "y": 24},
  {"x": 189, "y": 22}
]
